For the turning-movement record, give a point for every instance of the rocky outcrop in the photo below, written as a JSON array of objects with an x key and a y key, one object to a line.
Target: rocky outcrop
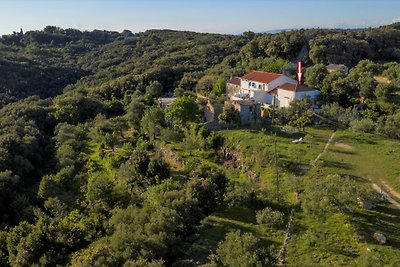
[
  {"x": 380, "y": 237},
  {"x": 171, "y": 155}
]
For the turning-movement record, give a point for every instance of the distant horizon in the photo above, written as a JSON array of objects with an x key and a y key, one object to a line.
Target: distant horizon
[
  {"x": 270, "y": 31},
  {"x": 206, "y": 16}
]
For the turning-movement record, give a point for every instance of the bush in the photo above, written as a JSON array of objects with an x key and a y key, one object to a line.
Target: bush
[
  {"x": 170, "y": 135},
  {"x": 239, "y": 194},
  {"x": 340, "y": 114},
  {"x": 229, "y": 115},
  {"x": 208, "y": 186},
  {"x": 269, "y": 217},
  {"x": 390, "y": 127},
  {"x": 242, "y": 250},
  {"x": 365, "y": 125}
]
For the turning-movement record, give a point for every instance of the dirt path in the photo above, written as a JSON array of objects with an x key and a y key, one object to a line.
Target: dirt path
[
  {"x": 390, "y": 190},
  {"x": 326, "y": 147},
  {"x": 283, "y": 251},
  {"x": 378, "y": 189}
]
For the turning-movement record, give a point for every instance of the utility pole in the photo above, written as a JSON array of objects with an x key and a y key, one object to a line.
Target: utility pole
[
  {"x": 277, "y": 172},
  {"x": 276, "y": 153}
]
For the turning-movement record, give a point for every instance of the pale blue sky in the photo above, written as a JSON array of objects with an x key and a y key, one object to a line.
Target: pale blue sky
[{"x": 222, "y": 16}]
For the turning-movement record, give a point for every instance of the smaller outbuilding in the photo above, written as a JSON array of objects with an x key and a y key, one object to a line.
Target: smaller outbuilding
[
  {"x": 249, "y": 110},
  {"x": 212, "y": 111},
  {"x": 286, "y": 93},
  {"x": 337, "y": 67},
  {"x": 232, "y": 86},
  {"x": 164, "y": 102}
]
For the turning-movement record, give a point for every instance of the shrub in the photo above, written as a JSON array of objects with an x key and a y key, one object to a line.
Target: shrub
[
  {"x": 170, "y": 135},
  {"x": 239, "y": 194},
  {"x": 242, "y": 250},
  {"x": 365, "y": 125},
  {"x": 390, "y": 127},
  {"x": 340, "y": 114},
  {"x": 269, "y": 217},
  {"x": 229, "y": 115}
]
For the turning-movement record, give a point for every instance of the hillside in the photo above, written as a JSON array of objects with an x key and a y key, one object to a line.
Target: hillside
[{"x": 94, "y": 173}]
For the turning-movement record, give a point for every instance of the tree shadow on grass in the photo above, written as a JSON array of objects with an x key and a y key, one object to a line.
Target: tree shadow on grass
[
  {"x": 219, "y": 225},
  {"x": 92, "y": 163},
  {"x": 240, "y": 214},
  {"x": 358, "y": 179},
  {"x": 346, "y": 152},
  {"x": 344, "y": 252},
  {"x": 337, "y": 164},
  {"x": 359, "y": 140},
  {"x": 384, "y": 218}
]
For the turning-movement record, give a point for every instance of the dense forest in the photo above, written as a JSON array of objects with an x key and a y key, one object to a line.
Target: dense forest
[{"x": 94, "y": 173}]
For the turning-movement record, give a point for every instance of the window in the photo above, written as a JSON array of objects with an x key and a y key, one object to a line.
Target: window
[
  {"x": 251, "y": 109},
  {"x": 249, "y": 84},
  {"x": 253, "y": 84},
  {"x": 259, "y": 86}
]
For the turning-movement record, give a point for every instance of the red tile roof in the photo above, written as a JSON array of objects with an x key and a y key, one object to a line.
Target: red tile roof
[
  {"x": 274, "y": 91},
  {"x": 294, "y": 87},
  {"x": 234, "y": 80},
  {"x": 261, "y": 76}
]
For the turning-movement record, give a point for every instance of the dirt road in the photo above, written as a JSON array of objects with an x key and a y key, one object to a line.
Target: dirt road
[
  {"x": 378, "y": 189},
  {"x": 386, "y": 189},
  {"x": 326, "y": 147}
]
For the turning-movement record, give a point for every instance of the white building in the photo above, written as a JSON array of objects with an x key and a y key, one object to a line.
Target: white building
[
  {"x": 286, "y": 93},
  {"x": 262, "y": 87}
]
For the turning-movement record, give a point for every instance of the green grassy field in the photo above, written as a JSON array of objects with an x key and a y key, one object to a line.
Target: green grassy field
[
  {"x": 231, "y": 219},
  {"x": 366, "y": 156},
  {"x": 257, "y": 150},
  {"x": 341, "y": 240},
  {"x": 347, "y": 240}
]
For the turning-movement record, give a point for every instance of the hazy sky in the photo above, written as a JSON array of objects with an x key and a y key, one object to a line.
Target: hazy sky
[{"x": 223, "y": 16}]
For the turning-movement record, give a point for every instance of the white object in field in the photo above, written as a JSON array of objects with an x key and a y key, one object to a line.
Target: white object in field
[{"x": 298, "y": 141}]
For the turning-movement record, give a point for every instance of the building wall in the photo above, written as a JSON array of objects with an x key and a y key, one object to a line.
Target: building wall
[
  {"x": 247, "y": 111},
  {"x": 260, "y": 96},
  {"x": 245, "y": 114},
  {"x": 285, "y": 97},
  {"x": 269, "y": 99},
  {"x": 244, "y": 84},
  {"x": 232, "y": 89},
  {"x": 281, "y": 80},
  {"x": 212, "y": 111}
]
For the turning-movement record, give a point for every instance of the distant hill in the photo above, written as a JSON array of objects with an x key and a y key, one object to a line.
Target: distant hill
[
  {"x": 279, "y": 30},
  {"x": 46, "y": 62}
]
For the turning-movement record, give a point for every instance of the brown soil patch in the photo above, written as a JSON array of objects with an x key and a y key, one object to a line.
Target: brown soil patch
[
  {"x": 344, "y": 146},
  {"x": 381, "y": 79},
  {"x": 390, "y": 189}
]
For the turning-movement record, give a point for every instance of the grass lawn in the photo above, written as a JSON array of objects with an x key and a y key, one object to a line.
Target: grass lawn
[
  {"x": 257, "y": 150},
  {"x": 100, "y": 164},
  {"x": 338, "y": 241},
  {"x": 342, "y": 239},
  {"x": 328, "y": 243},
  {"x": 232, "y": 219},
  {"x": 366, "y": 156}
]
